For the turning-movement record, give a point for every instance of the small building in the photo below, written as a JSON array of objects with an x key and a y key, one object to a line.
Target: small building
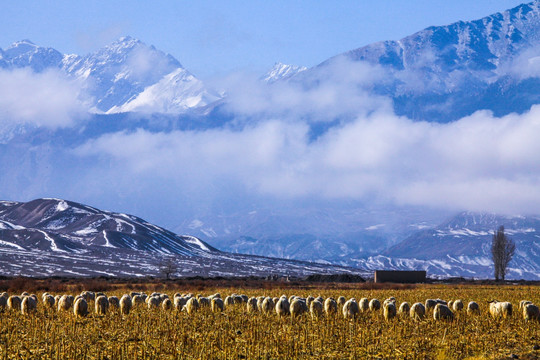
[{"x": 398, "y": 276}]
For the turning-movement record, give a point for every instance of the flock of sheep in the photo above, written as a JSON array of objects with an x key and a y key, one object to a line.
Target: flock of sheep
[{"x": 293, "y": 306}]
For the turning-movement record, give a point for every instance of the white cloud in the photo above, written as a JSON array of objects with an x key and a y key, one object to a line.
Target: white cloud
[
  {"x": 339, "y": 89},
  {"x": 478, "y": 163},
  {"x": 45, "y": 99}
]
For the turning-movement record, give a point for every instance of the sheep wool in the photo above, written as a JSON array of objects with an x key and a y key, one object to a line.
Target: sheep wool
[
  {"x": 167, "y": 304},
  {"x": 374, "y": 305},
  {"x": 179, "y": 302},
  {"x": 297, "y": 307},
  {"x": 114, "y": 302},
  {"x": 64, "y": 304},
  {"x": 48, "y": 301},
  {"x": 457, "y": 305},
  {"x": 282, "y": 307},
  {"x": 531, "y": 312},
  {"x": 125, "y": 304},
  {"x": 341, "y": 300},
  {"x": 251, "y": 305},
  {"x": 267, "y": 305},
  {"x": 473, "y": 308},
  {"x": 350, "y": 309},
  {"x": 192, "y": 305},
  {"x": 500, "y": 309},
  {"x": 3, "y": 303},
  {"x": 137, "y": 300},
  {"x": 217, "y": 304},
  {"x": 364, "y": 304},
  {"x": 28, "y": 305},
  {"x": 389, "y": 311},
  {"x": 80, "y": 309},
  {"x": 442, "y": 312},
  {"x": 102, "y": 305},
  {"x": 404, "y": 309},
  {"x": 330, "y": 306},
  {"x": 418, "y": 311},
  {"x": 153, "y": 302},
  {"x": 430, "y": 304},
  {"x": 14, "y": 302},
  {"x": 316, "y": 309},
  {"x": 229, "y": 301}
]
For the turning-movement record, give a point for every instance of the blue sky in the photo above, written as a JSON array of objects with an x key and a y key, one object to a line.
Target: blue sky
[{"x": 217, "y": 37}]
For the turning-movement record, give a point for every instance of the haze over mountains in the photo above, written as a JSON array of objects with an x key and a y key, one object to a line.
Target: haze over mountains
[{"x": 356, "y": 161}]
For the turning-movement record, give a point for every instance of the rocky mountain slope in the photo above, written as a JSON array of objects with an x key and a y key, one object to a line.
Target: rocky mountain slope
[
  {"x": 58, "y": 237},
  {"x": 443, "y": 73}
]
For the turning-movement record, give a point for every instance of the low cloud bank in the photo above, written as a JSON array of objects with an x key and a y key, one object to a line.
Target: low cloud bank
[
  {"x": 480, "y": 162},
  {"x": 48, "y": 99}
]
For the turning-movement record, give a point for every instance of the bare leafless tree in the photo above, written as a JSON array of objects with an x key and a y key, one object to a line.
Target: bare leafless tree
[
  {"x": 168, "y": 267},
  {"x": 502, "y": 251}
]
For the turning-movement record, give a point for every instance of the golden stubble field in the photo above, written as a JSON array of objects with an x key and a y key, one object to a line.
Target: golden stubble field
[{"x": 236, "y": 334}]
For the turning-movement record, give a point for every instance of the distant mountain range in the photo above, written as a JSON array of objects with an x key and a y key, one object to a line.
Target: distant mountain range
[
  {"x": 58, "y": 237},
  {"x": 444, "y": 73}
]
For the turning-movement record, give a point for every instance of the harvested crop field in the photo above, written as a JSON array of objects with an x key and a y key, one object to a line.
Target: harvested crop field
[{"x": 235, "y": 333}]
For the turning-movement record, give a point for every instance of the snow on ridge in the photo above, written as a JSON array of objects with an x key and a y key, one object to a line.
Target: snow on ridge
[{"x": 193, "y": 240}]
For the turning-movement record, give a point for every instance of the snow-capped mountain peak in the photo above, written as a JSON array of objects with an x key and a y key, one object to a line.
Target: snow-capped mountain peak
[
  {"x": 282, "y": 71},
  {"x": 122, "y": 76}
]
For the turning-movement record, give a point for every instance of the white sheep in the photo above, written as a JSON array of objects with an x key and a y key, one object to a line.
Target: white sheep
[
  {"x": 102, "y": 305},
  {"x": 500, "y": 309},
  {"x": 531, "y": 312},
  {"x": 442, "y": 312},
  {"x": 298, "y": 307},
  {"x": 282, "y": 307},
  {"x": 14, "y": 302},
  {"x": 48, "y": 301},
  {"x": 374, "y": 305},
  {"x": 389, "y": 310},
  {"x": 80, "y": 309},
  {"x": 167, "y": 304},
  {"x": 418, "y": 311},
  {"x": 137, "y": 300},
  {"x": 430, "y": 304},
  {"x": 524, "y": 303},
  {"x": 125, "y": 304},
  {"x": 114, "y": 302},
  {"x": 389, "y": 301},
  {"x": 204, "y": 302},
  {"x": 267, "y": 305},
  {"x": 350, "y": 309},
  {"x": 404, "y": 309},
  {"x": 238, "y": 299},
  {"x": 457, "y": 305},
  {"x": 229, "y": 301},
  {"x": 3, "y": 303},
  {"x": 217, "y": 304},
  {"x": 192, "y": 305},
  {"x": 316, "y": 309},
  {"x": 179, "y": 302},
  {"x": 330, "y": 306},
  {"x": 251, "y": 305},
  {"x": 473, "y": 308},
  {"x": 260, "y": 300},
  {"x": 153, "y": 302},
  {"x": 309, "y": 299},
  {"x": 341, "y": 300},
  {"x": 64, "y": 303},
  {"x": 28, "y": 305},
  {"x": 363, "y": 304}
]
